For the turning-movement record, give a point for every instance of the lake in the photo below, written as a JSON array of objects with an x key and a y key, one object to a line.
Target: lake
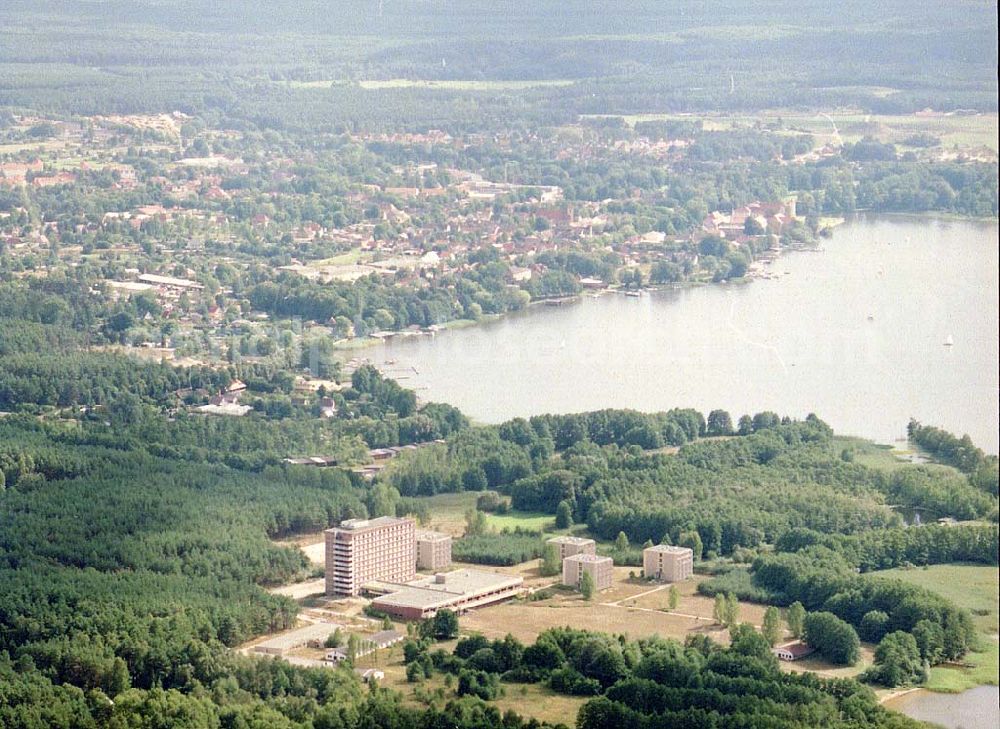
[
  {"x": 973, "y": 709},
  {"x": 854, "y": 332}
]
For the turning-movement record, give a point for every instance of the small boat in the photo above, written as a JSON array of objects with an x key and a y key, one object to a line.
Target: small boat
[{"x": 949, "y": 341}]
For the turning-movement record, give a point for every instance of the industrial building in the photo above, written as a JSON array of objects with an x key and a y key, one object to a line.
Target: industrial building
[
  {"x": 568, "y": 546},
  {"x": 364, "y": 550},
  {"x": 666, "y": 563},
  {"x": 459, "y": 590},
  {"x": 600, "y": 569},
  {"x": 433, "y": 550}
]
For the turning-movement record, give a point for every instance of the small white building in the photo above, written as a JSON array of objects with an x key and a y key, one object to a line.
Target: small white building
[
  {"x": 369, "y": 674},
  {"x": 792, "y": 651}
]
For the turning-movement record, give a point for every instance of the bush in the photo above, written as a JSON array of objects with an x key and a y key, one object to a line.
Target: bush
[
  {"x": 484, "y": 685},
  {"x": 738, "y": 582},
  {"x": 570, "y": 681},
  {"x": 897, "y": 662},
  {"x": 833, "y": 638},
  {"x": 874, "y": 626}
]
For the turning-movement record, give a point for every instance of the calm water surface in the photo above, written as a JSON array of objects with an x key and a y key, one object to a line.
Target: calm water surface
[
  {"x": 973, "y": 709},
  {"x": 854, "y": 333}
]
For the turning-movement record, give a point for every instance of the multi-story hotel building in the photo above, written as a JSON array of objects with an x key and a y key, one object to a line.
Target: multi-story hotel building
[
  {"x": 433, "y": 550},
  {"x": 363, "y": 550},
  {"x": 576, "y": 566},
  {"x": 666, "y": 563}
]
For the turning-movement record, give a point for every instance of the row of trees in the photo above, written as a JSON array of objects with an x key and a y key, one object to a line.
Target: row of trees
[{"x": 961, "y": 453}]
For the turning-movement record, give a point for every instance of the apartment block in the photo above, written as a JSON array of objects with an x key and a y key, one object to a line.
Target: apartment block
[
  {"x": 600, "y": 570},
  {"x": 433, "y": 550},
  {"x": 666, "y": 563},
  {"x": 362, "y": 550},
  {"x": 568, "y": 546}
]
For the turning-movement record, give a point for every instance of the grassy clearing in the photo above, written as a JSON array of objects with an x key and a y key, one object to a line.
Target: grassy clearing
[
  {"x": 522, "y": 519},
  {"x": 448, "y": 515},
  {"x": 448, "y": 511},
  {"x": 540, "y": 702},
  {"x": 348, "y": 258},
  {"x": 975, "y": 588},
  {"x": 984, "y": 670}
]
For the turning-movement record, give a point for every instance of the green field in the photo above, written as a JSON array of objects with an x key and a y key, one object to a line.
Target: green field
[
  {"x": 974, "y": 588},
  {"x": 344, "y": 259},
  {"x": 524, "y": 520},
  {"x": 448, "y": 514}
]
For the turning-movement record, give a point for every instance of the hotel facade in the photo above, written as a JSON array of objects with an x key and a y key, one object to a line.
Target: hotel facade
[{"x": 363, "y": 550}]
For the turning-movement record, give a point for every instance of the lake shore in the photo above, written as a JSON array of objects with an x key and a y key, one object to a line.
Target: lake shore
[
  {"x": 865, "y": 350},
  {"x": 757, "y": 271}
]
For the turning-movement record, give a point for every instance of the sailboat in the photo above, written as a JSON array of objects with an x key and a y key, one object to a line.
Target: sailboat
[{"x": 949, "y": 341}]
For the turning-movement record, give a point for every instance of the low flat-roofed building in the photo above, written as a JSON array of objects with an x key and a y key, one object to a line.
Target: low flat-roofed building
[
  {"x": 279, "y": 645},
  {"x": 459, "y": 590},
  {"x": 667, "y": 563},
  {"x": 433, "y": 550},
  {"x": 317, "y": 461},
  {"x": 600, "y": 569},
  {"x": 568, "y": 546}
]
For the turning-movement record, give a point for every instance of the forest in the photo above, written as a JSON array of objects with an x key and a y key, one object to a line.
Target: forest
[
  {"x": 189, "y": 56},
  {"x": 134, "y": 551},
  {"x": 654, "y": 682}
]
